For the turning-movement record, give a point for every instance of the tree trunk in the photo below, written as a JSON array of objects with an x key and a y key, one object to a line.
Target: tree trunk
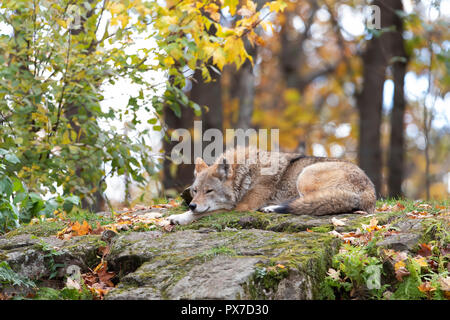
[
  {"x": 183, "y": 175},
  {"x": 244, "y": 90},
  {"x": 397, "y": 140},
  {"x": 208, "y": 94},
  {"x": 370, "y": 102},
  {"x": 370, "y": 99},
  {"x": 204, "y": 94}
]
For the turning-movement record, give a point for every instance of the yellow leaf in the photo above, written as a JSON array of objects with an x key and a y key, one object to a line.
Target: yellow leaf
[
  {"x": 116, "y": 7},
  {"x": 421, "y": 261},
  {"x": 276, "y": 6},
  {"x": 168, "y": 61},
  {"x": 232, "y": 4},
  {"x": 399, "y": 265},
  {"x": 61, "y": 22}
]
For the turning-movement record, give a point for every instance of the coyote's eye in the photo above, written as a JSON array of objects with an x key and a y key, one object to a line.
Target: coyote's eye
[
  {"x": 194, "y": 191},
  {"x": 209, "y": 190}
]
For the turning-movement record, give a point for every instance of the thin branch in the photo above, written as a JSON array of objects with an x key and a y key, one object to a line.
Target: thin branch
[{"x": 55, "y": 128}]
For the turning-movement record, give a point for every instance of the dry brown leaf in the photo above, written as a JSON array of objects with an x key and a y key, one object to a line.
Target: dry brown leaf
[
  {"x": 400, "y": 273},
  {"x": 445, "y": 284},
  {"x": 425, "y": 250},
  {"x": 337, "y": 222}
]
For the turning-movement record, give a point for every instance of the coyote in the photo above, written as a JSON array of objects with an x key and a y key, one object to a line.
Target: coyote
[{"x": 298, "y": 184}]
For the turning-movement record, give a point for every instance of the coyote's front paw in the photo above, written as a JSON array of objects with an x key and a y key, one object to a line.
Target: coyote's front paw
[{"x": 182, "y": 219}]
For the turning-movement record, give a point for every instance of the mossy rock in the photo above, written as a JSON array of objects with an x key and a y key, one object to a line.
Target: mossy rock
[
  {"x": 37, "y": 258},
  {"x": 202, "y": 264},
  {"x": 232, "y": 255},
  {"x": 43, "y": 229}
]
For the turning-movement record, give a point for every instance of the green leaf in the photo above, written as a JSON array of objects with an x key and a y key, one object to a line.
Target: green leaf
[{"x": 12, "y": 158}]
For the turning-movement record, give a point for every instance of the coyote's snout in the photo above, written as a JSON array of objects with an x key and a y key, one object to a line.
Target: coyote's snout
[{"x": 297, "y": 185}]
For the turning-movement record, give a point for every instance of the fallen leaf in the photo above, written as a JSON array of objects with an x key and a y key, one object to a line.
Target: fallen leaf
[
  {"x": 72, "y": 284},
  {"x": 173, "y": 203},
  {"x": 336, "y": 234},
  {"x": 99, "y": 229},
  {"x": 104, "y": 250},
  {"x": 399, "y": 265},
  {"x": 334, "y": 274},
  {"x": 4, "y": 296},
  {"x": 388, "y": 253},
  {"x": 336, "y": 222},
  {"x": 372, "y": 226},
  {"x": 426, "y": 287},
  {"x": 400, "y": 256},
  {"x": 400, "y": 206},
  {"x": 385, "y": 207},
  {"x": 400, "y": 273},
  {"x": 425, "y": 250},
  {"x": 421, "y": 261},
  {"x": 81, "y": 229},
  {"x": 445, "y": 284},
  {"x": 106, "y": 276},
  {"x": 424, "y": 206},
  {"x": 445, "y": 250}
]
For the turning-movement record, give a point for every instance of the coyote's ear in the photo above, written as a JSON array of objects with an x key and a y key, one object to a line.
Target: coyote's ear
[
  {"x": 199, "y": 165},
  {"x": 223, "y": 170}
]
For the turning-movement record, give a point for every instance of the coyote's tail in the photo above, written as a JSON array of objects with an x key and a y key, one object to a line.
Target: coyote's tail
[{"x": 329, "y": 201}]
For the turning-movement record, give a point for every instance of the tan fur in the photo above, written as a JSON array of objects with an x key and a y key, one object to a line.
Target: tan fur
[{"x": 306, "y": 185}]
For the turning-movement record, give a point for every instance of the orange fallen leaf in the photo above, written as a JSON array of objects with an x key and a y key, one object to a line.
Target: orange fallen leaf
[
  {"x": 104, "y": 250},
  {"x": 426, "y": 287},
  {"x": 99, "y": 229},
  {"x": 173, "y": 203},
  {"x": 81, "y": 229},
  {"x": 425, "y": 250}
]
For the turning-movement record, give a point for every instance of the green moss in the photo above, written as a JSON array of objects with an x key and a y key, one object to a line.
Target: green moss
[
  {"x": 43, "y": 229},
  {"x": 383, "y": 218},
  {"x": 436, "y": 229},
  {"x": 233, "y": 219},
  {"x": 322, "y": 229},
  {"x": 45, "y": 293},
  {"x": 221, "y": 250}
]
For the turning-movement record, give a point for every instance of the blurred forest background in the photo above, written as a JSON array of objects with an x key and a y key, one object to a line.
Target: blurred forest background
[
  {"x": 321, "y": 71},
  {"x": 337, "y": 88}
]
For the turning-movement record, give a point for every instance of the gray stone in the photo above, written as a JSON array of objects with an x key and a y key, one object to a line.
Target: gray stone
[
  {"x": 228, "y": 256},
  {"x": 220, "y": 278},
  {"x": 401, "y": 241}
]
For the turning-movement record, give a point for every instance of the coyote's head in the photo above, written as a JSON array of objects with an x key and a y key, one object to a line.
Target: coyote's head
[{"x": 212, "y": 188}]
